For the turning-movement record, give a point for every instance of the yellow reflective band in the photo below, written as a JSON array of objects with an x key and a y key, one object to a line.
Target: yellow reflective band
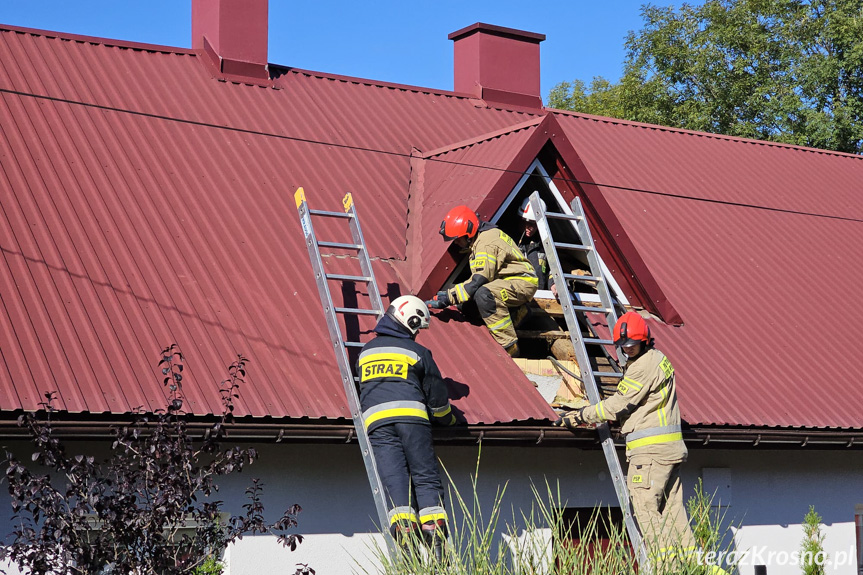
[
  {"x": 663, "y": 417},
  {"x": 654, "y": 439},
  {"x": 600, "y": 410},
  {"x": 502, "y": 324},
  {"x": 633, "y": 383},
  {"x": 387, "y": 356},
  {"x": 433, "y": 517},
  {"x": 396, "y": 412},
  {"x": 529, "y": 279},
  {"x": 665, "y": 365},
  {"x": 461, "y": 293},
  {"x": 443, "y": 413},
  {"x": 400, "y": 516}
]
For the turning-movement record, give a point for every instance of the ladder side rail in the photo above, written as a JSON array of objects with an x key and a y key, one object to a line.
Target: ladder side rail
[
  {"x": 340, "y": 349},
  {"x": 363, "y": 254},
  {"x": 596, "y": 269},
  {"x": 578, "y": 217},
  {"x": 603, "y": 429}
]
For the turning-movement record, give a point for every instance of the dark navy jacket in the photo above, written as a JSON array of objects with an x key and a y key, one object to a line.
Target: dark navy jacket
[{"x": 399, "y": 380}]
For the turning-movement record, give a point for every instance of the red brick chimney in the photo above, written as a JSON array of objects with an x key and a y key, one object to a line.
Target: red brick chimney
[
  {"x": 234, "y": 34},
  {"x": 499, "y": 65}
]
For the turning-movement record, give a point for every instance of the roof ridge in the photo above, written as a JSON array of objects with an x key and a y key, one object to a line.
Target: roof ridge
[
  {"x": 660, "y": 128},
  {"x": 109, "y": 42},
  {"x": 408, "y": 88},
  {"x": 485, "y": 137}
]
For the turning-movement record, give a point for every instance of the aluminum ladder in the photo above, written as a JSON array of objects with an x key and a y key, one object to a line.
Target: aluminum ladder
[
  {"x": 339, "y": 342},
  {"x": 573, "y": 311}
]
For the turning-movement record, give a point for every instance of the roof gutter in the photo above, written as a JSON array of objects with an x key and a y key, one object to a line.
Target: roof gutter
[{"x": 706, "y": 437}]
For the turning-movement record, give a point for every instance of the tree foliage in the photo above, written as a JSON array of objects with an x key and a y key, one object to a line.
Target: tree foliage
[
  {"x": 782, "y": 70},
  {"x": 149, "y": 508}
]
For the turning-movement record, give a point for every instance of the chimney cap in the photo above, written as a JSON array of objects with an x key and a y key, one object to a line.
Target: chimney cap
[{"x": 497, "y": 31}]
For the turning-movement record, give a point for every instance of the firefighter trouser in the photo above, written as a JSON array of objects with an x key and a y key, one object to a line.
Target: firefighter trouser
[
  {"x": 404, "y": 453},
  {"x": 657, "y": 499},
  {"x": 495, "y": 300}
]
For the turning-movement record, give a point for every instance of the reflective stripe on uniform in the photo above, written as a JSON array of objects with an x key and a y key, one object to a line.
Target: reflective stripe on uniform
[
  {"x": 482, "y": 258},
  {"x": 653, "y": 435},
  {"x": 399, "y": 513},
  {"x": 441, "y": 411},
  {"x": 663, "y": 417},
  {"x": 600, "y": 410},
  {"x": 461, "y": 294},
  {"x": 432, "y": 514},
  {"x": 533, "y": 280},
  {"x": 502, "y": 324},
  {"x": 633, "y": 383},
  {"x": 388, "y": 354},
  {"x": 394, "y": 409}
]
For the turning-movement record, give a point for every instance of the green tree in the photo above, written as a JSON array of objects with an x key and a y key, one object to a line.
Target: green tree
[{"x": 782, "y": 70}]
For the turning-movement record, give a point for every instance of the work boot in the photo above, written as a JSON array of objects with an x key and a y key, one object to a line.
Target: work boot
[
  {"x": 434, "y": 535},
  {"x": 406, "y": 534},
  {"x": 512, "y": 349}
]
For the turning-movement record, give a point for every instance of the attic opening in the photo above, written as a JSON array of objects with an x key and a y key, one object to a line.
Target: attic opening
[{"x": 544, "y": 333}]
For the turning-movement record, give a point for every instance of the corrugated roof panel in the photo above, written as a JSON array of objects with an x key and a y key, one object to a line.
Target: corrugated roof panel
[
  {"x": 464, "y": 175},
  {"x": 752, "y": 285},
  {"x": 159, "y": 209}
]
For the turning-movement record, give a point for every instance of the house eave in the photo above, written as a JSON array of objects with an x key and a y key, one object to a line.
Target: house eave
[{"x": 520, "y": 434}]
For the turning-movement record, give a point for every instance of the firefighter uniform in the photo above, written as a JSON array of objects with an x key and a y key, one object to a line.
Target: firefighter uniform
[
  {"x": 535, "y": 254},
  {"x": 508, "y": 282},
  {"x": 646, "y": 404},
  {"x": 401, "y": 394}
]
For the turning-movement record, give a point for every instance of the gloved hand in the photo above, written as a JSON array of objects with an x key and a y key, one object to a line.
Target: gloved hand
[
  {"x": 440, "y": 301},
  {"x": 571, "y": 419}
]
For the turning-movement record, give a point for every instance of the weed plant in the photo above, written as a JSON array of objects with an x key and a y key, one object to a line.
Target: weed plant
[{"x": 541, "y": 540}]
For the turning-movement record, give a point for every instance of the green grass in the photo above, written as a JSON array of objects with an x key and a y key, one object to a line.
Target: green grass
[{"x": 536, "y": 541}]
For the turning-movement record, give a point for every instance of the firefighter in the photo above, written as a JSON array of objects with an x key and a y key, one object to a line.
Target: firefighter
[
  {"x": 502, "y": 279},
  {"x": 401, "y": 394},
  {"x": 531, "y": 245},
  {"x": 646, "y": 406}
]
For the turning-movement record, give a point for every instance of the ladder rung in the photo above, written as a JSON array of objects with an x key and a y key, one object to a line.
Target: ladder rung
[
  {"x": 353, "y": 344},
  {"x": 590, "y": 309},
  {"x": 577, "y": 247},
  {"x": 582, "y": 278},
  {"x": 595, "y": 341},
  {"x": 338, "y": 245},
  {"x": 331, "y": 214},
  {"x": 348, "y": 278},
  {"x": 356, "y": 310},
  {"x": 557, "y": 216},
  {"x": 607, "y": 374}
]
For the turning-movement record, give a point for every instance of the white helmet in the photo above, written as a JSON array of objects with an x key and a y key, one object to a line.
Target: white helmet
[
  {"x": 526, "y": 209},
  {"x": 411, "y": 312}
]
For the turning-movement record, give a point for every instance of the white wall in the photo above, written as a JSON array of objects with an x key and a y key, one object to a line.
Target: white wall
[{"x": 769, "y": 491}]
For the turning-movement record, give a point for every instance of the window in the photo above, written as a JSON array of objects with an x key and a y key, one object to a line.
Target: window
[{"x": 598, "y": 528}]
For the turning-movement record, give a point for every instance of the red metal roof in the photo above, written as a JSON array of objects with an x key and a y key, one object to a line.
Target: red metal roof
[
  {"x": 755, "y": 244},
  {"x": 146, "y": 203}
]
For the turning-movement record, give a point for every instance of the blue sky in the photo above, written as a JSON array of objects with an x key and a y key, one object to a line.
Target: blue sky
[{"x": 389, "y": 40}]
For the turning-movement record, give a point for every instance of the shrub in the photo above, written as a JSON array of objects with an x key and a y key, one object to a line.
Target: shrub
[{"x": 148, "y": 508}]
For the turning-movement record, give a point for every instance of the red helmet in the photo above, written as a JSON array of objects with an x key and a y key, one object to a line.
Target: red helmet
[
  {"x": 460, "y": 221},
  {"x": 630, "y": 329}
]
